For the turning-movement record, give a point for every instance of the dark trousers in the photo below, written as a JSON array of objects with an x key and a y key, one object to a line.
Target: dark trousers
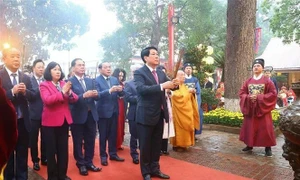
[
  {"x": 108, "y": 132},
  {"x": 36, "y": 128},
  {"x": 84, "y": 138},
  {"x": 150, "y": 138},
  {"x": 16, "y": 167},
  {"x": 164, "y": 144},
  {"x": 56, "y": 139},
  {"x": 133, "y": 139}
]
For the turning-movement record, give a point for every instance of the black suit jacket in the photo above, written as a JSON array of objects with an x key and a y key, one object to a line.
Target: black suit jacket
[
  {"x": 150, "y": 97},
  {"x": 36, "y": 104},
  {"x": 131, "y": 97},
  {"x": 208, "y": 85},
  {"x": 19, "y": 99}
]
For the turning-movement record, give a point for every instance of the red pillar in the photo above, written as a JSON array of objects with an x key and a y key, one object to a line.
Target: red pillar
[{"x": 171, "y": 37}]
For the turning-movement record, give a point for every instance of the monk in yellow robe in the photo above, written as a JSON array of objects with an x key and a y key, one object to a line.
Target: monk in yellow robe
[{"x": 185, "y": 114}]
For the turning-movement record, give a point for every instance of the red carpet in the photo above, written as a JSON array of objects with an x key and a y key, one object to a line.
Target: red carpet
[{"x": 177, "y": 169}]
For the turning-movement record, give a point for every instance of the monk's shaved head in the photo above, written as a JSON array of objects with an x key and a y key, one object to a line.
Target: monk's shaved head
[{"x": 180, "y": 76}]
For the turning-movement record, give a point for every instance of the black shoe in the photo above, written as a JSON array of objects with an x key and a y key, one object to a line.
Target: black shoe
[
  {"x": 136, "y": 161},
  {"x": 36, "y": 166},
  {"x": 268, "y": 151},
  {"x": 161, "y": 175},
  {"x": 247, "y": 148},
  {"x": 67, "y": 178},
  {"x": 164, "y": 153},
  {"x": 93, "y": 168},
  {"x": 147, "y": 177},
  {"x": 116, "y": 158},
  {"x": 104, "y": 163},
  {"x": 83, "y": 171},
  {"x": 44, "y": 163}
]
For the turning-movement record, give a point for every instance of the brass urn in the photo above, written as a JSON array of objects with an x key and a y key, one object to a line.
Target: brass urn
[{"x": 289, "y": 125}]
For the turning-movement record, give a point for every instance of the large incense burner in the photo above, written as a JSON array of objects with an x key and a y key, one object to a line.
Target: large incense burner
[{"x": 289, "y": 125}]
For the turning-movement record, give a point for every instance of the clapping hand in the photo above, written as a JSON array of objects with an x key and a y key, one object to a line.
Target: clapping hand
[
  {"x": 90, "y": 93},
  {"x": 67, "y": 87}
]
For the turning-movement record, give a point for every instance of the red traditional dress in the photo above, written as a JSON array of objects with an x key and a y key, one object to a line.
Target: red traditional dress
[
  {"x": 121, "y": 121},
  {"x": 8, "y": 128},
  {"x": 257, "y": 128}
]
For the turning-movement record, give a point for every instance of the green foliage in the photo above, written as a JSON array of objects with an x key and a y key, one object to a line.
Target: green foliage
[
  {"x": 201, "y": 21},
  {"x": 208, "y": 96},
  {"x": 233, "y": 119},
  {"x": 195, "y": 56},
  {"x": 281, "y": 78},
  {"x": 285, "y": 22},
  {"x": 34, "y": 24},
  {"x": 143, "y": 23}
]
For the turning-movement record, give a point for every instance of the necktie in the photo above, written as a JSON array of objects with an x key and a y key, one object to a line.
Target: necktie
[
  {"x": 40, "y": 80},
  {"x": 14, "y": 82},
  {"x": 108, "y": 81},
  {"x": 82, "y": 84},
  {"x": 155, "y": 76},
  {"x": 156, "y": 79},
  {"x": 14, "y": 79}
]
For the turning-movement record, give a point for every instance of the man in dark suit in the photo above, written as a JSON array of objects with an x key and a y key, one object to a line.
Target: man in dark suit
[
  {"x": 150, "y": 112},
  {"x": 109, "y": 89},
  {"x": 131, "y": 98},
  {"x": 85, "y": 117},
  {"x": 36, "y": 109},
  {"x": 19, "y": 90},
  {"x": 207, "y": 84}
]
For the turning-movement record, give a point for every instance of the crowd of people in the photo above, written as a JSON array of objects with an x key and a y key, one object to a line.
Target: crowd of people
[
  {"x": 158, "y": 109},
  {"x": 49, "y": 105}
]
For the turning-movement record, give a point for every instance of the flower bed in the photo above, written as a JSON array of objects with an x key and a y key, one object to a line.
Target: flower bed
[{"x": 233, "y": 119}]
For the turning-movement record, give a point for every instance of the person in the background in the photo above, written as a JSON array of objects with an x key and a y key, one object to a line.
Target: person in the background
[
  {"x": 207, "y": 84},
  {"x": 8, "y": 129},
  {"x": 56, "y": 95},
  {"x": 36, "y": 109},
  {"x": 268, "y": 73},
  {"x": 283, "y": 94},
  {"x": 165, "y": 141},
  {"x": 120, "y": 74},
  {"x": 19, "y": 91},
  {"x": 220, "y": 94},
  {"x": 291, "y": 96},
  {"x": 85, "y": 118},
  {"x": 193, "y": 82},
  {"x": 108, "y": 109},
  {"x": 185, "y": 115},
  {"x": 257, "y": 100},
  {"x": 131, "y": 98}
]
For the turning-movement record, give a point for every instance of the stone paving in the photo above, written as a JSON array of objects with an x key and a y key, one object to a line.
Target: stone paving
[{"x": 222, "y": 151}]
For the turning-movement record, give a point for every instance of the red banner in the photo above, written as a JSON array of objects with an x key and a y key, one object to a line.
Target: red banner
[{"x": 257, "y": 39}]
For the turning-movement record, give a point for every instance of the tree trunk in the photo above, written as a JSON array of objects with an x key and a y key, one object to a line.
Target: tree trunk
[{"x": 239, "y": 48}]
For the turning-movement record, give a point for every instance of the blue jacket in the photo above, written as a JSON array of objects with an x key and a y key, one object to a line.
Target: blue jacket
[
  {"x": 108, "y": 103},
  {"x": 36, "y": 104},
  {"x": 131, "y": 98},
  {"x": 80, "y": 109}
]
